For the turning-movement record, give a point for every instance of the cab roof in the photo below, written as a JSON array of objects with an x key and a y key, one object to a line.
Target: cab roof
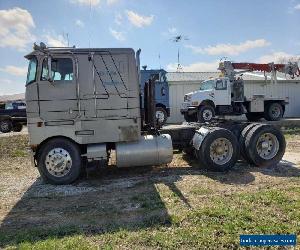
[{"x": 72, "y": 50}]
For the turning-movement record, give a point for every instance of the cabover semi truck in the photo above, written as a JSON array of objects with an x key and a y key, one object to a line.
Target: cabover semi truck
[
  {"x": 84, "y": 108},
  {"x": 227, "y": 95}
]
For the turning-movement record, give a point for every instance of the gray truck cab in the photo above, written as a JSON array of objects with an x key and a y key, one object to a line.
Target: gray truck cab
[{"x": 83, "y": 103}]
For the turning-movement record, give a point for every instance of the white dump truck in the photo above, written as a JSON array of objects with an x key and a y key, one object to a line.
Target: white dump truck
[
  {"x": 227, "y": 95},
  {"x": 84, "y": 104}
]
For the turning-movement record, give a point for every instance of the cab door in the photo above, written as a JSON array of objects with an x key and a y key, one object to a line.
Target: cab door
[
  {"x": 58, "y": 99},
  {"x": 222, "y": 92}
]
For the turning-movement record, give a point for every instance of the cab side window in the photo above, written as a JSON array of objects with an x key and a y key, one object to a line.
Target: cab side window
[
  {"x": 221, "y": 85},
  {"x": 62, "y": 69},
  {"x": 207, "y": 85}
]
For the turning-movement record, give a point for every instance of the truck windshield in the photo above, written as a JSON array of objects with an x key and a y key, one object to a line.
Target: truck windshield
[
  {"x": 207, "y": 85},
  {"x": 31, "y": 75}
]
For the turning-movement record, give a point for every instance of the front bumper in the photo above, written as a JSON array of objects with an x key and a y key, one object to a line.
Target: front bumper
[{"x": 187, "y": 108}]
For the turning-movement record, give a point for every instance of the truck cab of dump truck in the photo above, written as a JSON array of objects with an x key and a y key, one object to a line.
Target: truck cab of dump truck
[{"x": 161, "y": 95}]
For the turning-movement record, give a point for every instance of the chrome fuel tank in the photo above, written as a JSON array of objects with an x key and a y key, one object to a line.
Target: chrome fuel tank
[{"x": 149, "y": 150}]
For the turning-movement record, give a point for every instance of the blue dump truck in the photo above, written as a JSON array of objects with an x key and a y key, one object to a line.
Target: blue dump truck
[{"x": 161, "y": 92}]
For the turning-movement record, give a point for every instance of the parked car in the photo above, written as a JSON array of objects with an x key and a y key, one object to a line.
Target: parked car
[{"x": 12, "y": 116}]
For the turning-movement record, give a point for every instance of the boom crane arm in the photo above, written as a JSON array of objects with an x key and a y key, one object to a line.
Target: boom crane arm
[{"x": 228, "y": 68}]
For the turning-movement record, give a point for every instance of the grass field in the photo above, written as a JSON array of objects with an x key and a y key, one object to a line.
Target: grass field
[{"x": 174, "y": 206}]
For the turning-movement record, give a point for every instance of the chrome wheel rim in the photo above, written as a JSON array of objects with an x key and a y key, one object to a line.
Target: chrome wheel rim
[
  {"x": 267, "y": 146},
  {"x": 160, "y": 116},
  {"x": 221, "y": 151},
  {"x": 58, "y": 162},
  {"x": 207, "y": 114}
]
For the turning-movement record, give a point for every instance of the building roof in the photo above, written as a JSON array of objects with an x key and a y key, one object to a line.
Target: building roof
[{"x": 201, "y": 76}]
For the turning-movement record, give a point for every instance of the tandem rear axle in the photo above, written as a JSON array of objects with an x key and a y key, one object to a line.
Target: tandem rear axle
[{"x": 220, "y": 144}]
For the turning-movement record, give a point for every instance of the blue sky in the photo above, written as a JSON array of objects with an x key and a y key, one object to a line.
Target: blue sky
[{"x": 256, "y": 31}]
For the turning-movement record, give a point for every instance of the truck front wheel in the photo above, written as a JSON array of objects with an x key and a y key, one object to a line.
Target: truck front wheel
[
  {"x": 5, "y": 126},
  {"x": 59, "y": 161},
  {"x": 273, "y": 111},
  {"x": 205, "y": 113}
]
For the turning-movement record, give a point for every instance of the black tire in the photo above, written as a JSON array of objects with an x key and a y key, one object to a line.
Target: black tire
[
  {"x": 273, "y": 112},
  {"x": 162, "y": 112},
  {"x": 205, "y": 113},
  {"x": 5, "y": 126},
  {"x": 190, "y": 118},
  {"x": 254, "y": 117},
  {"x": 17, "y": 127},
  {"x": 74, "y": 170},
  {"x": 252, "y": 142},
  {"x": 242, "y": 139},
  {"x": 204, "y": 153}
]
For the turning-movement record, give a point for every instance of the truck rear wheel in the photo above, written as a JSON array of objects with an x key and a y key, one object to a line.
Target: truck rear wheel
[
  {"x": 205, "y": 113},
  {"x": 265, "y": 145},
  {"x": 219, "y": 150},
  {"x": 273, "y": 112},
  {"x": 59, "y": 161},
  {"x": 242, "y": 139},
  {"x": 5, "y": 126}
]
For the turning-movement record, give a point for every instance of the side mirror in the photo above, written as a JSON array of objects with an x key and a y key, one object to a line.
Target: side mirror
[{"x": 49, "y": 64}]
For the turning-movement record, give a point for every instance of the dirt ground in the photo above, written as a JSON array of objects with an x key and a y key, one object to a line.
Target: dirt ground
[{"x": 115, "y": 196}]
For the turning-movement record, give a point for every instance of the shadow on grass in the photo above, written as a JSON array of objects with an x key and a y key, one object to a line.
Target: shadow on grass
[
  {"x": 108, "y": 201},
  {"x": 111, "y": 200}
]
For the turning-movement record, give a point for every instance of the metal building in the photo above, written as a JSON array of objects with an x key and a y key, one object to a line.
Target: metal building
[{"x": 181, "y": 83}]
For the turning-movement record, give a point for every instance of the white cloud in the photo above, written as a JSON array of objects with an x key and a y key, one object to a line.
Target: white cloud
[
  {"x": 297, "y": 7},
  {"x": 119, "y": 35},
  {"x": 53, "y": 40},
  {"x": 14, "y": 70},
  {"x": 279, "y": 57},
  {"x": 118, "y": 18},
  {"x": 15, "y": 28},
  {"x": 139, "y": 20},
  {"x": 111, "y": 2},
  {"x": 196, "y": 67},
  {"x": 230, "y": 49},
  {"x": 92, "y": 3},
  {"x": 79, "y": 23}
]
